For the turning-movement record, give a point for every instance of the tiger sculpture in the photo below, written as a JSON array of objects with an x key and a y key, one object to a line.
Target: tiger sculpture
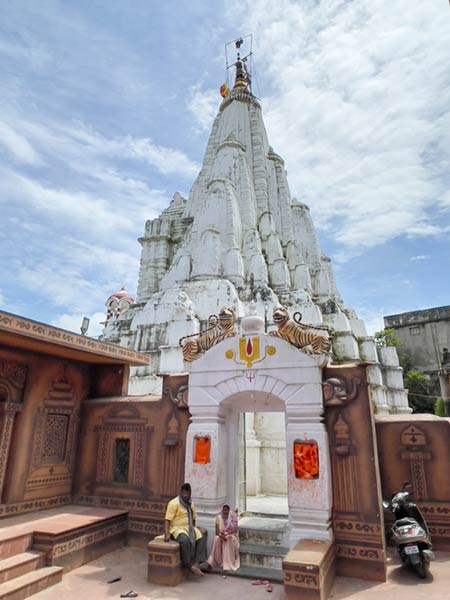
[
  {"x": 222, "y": 327},
  {"x": 300, "y": 335}
]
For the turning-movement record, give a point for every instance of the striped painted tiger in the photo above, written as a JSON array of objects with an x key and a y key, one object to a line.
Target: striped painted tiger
[
  {"x": 222, "y": 327},
  {"x": 299, "y": 335}
]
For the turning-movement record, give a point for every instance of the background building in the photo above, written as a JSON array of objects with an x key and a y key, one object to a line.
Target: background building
[{"x": 423, "y": 334}]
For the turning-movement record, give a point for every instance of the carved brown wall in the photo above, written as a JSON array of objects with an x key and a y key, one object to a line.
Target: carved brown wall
[
  {"x": 156, "y": 428},
  {"x": 416, "y": 448},
  {"x": 12, "y": 382},
  {"x": 39, "y": 417},
  {"x": 357, "y": 516}
]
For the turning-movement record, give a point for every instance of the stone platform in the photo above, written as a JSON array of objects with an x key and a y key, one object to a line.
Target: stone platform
[{"x": 68, "y": 536}]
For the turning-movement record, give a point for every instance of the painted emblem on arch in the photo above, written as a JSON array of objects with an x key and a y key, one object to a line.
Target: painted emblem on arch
[{"x": 250, "y": 351}]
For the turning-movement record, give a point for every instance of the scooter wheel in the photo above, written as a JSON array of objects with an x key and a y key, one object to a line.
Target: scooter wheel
[{"x": 421, "y": 569}]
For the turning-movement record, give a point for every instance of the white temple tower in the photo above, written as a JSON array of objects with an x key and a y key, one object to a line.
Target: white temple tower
[{"x": 240, "y": 236}]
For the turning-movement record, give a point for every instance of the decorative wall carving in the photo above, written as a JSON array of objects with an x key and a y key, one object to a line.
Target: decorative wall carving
[
  {"x": 122, "y": 460},
  {"x": 300, "y": 335},
  {"x": 416, "y": 451},
  {"x": 103, "y": 533},
  {"x": 53, "y": 450},
  {"x": 172, "y": 459},
  {"x": 56, "y": 429},
  {"x": 12, "y": 381},
  {"x": 356, "y": 520},
  {"x": 47, "y": 333},
  {"x": 122, "y": 422},
  {"x": 30, "y": 506},
  {"x": 336, "y": 391},
  {"x": 179, "y": 396},
  {"x": 344, "y": 465},
  {"x": 7, "y": 416},
  {"x": 302, "y": 580},
  {"x": 148, "y": 506},
  {"x": 221, "y": 327}
]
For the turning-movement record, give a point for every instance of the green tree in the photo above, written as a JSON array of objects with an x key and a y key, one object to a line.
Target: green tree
[
  {"x": 419, "y": 388},
  {"x": 418, "y": 385},
  {"x": 387, "y": 337},
  {"x": 406, "y": 362},
  {"x": 439, "y": 407}
]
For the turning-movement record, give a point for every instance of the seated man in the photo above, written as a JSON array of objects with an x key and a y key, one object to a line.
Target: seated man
[{"x": 179, "y": 524}]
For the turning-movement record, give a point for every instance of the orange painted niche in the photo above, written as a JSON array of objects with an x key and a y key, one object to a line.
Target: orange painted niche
[
  {"x": 306, "y": 459},
  {"x": 202, "y": 449}
]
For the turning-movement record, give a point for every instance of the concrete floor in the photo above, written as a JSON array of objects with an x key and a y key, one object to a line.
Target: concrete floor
[
  {"x": 89, "y": 582},
  {"x": 268, "y": 505}
]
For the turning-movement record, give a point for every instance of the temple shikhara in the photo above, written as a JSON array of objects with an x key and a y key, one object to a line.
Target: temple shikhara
[
  {"x": 237, "y": 368},
  {"x": 240, "y": 238}
]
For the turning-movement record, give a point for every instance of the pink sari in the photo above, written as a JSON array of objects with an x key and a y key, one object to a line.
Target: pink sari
[{"x": 225, "y": 553}]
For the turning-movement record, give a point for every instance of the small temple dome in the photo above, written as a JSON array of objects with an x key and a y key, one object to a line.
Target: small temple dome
[
  {"x": 118, "y": 302},
  {"x": 122, "y": 293}
]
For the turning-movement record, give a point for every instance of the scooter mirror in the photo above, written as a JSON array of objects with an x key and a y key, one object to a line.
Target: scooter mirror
[
  {"x": 385, "y": 504},
  {"x": 407, "y": 486}
]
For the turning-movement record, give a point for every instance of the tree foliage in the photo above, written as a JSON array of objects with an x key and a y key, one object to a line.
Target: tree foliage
[
  {"x": 418, "y": 385},
  {"x": 439, "y": 407},
  {"x": 419, "y": 389},
  {"x": 387, "y": 337}
]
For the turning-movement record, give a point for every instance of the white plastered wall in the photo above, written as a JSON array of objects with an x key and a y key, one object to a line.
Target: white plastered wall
[{"x": 219, "y": 389}]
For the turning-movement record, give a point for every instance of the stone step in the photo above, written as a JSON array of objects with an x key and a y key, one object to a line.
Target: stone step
[
  {"x": 264, "y": 515},
  {"x": 19, "y": 564},
  {"x": 263, "y": 550},
  {"x": 263, "y": 556},
  {"x": 263, "y": 531},
  {"x": 14, "y": 543},
  {"x": 30, "y": 583}
]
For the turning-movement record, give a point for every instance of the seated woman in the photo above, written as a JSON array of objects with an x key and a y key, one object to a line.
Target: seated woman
[{"x": 225, "y": 548}]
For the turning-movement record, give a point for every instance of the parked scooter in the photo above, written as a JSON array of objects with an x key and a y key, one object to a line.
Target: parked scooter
[{"x": 410, "y": 532}]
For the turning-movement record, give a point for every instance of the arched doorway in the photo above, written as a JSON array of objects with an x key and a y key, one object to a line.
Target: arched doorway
[
  {"x": 242, "y": 470},
  {"x": 262, "y": 463}
]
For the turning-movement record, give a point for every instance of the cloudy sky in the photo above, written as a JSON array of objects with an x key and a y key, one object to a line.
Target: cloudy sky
[{"x": 106, "y": 107}]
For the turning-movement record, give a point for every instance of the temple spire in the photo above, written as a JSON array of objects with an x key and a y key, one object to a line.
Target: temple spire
[{"x": 242, "y": 79}]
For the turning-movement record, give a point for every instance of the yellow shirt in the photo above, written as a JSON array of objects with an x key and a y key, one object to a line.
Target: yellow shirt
[{"x": 177, "y": 514}]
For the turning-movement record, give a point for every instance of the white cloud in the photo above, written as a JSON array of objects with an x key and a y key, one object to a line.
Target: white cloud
[
  {"x": 77, "y": 275},
  {"x": 18, "y": 146},
  {"x": 202, "y": 104},
  {"x": 69, "y": 206},
  {"x": 73, "y": 323},
  {"x": 421, "y": 257},
  {"x": 63, "y": 286},
  {"x": 360, "y": 93},
  {"x": 84, "y": 149},
  {"x": 374, "y": 323},
  {"x": 358, "y": 106},
  {"x": 166, "y": 160}
]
